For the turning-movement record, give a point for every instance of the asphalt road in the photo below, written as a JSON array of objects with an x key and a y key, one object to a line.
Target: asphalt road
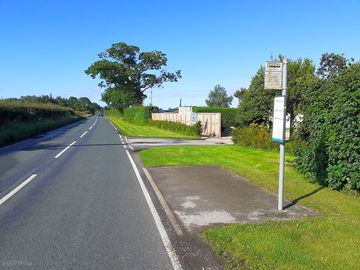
[{"x": 84, "y": 209}]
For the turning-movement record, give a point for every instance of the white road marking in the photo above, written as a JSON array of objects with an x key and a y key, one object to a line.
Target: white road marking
[
  {"x": 163, "y": 234},
  {"x": 66, "y": 148},
  {"x": 132, "y": 148},
  {"x": 124, "y": 146},
  {"x": 11, "y": 193},
  {"x": 120, "y": 136},
  {"x": 82, "y": 135},
  {"x": 90, "y": 127}
]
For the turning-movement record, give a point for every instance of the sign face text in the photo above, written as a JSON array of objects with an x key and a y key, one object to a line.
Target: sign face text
[
  {"x": 278, "y": 119},
  {"x": 273, "y": 75}
]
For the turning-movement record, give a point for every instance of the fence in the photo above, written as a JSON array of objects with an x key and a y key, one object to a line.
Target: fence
[{"x": 210, "y": 122}]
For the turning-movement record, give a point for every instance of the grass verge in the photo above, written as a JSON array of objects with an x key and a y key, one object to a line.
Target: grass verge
[
  {"x": 330, "y": 241},
  {"x": 13, "y": 132},
  {"x": 133, "y": 130}
]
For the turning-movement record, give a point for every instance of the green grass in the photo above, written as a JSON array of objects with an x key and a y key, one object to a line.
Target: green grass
[
  {"x": 132, "y": 130},
  {"x": 16, "y": 131},
  {"x": 330, "y": 241}
]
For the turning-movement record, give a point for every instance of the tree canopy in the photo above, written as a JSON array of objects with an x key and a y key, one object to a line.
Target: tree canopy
[
  {"x": 332, "y": 64},
  {"x": 126, "y": 73},
  {"x": 257, "y": 103},
  {"x": 218, "y": 97}
]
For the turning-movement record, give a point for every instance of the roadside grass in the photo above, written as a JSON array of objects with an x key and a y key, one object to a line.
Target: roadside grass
[
  {"x": 330, "y": 241},
  {"x": 14, "y": 132},
  {"x": 133, "y": 130}
]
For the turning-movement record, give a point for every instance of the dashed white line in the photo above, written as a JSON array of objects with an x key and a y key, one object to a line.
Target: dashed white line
[
  {"x": 11, "y": 193},
  {"x": 90, "y": 127},
  {"x": 82, "y": 135},
  {"x": 163, "y": 234},
  {"x": 124, "y": 146},
  {"x": 66, "y": 148}
]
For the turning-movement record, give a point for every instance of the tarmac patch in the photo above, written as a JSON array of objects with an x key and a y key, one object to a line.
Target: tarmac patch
[{"x": 202, "y": 196}]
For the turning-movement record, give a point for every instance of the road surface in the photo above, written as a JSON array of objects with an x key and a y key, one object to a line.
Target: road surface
[{"x": 72, "y": 200}]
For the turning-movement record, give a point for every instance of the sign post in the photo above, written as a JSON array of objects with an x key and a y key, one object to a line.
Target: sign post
[{"x": 276, "y": 78}]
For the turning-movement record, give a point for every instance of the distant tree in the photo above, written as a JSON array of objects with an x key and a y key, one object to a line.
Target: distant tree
[
  {"x": 239, "y": 94},
  {"x": 332, "y": 64},
  {"x": 129, "y": 72},
  {"x": 218, "y": 97}
]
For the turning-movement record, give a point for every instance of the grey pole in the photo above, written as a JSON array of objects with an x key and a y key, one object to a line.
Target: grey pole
[{"x": 282, "y": 145}]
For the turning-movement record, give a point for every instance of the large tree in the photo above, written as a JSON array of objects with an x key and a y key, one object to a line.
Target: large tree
[
  {"x": 218, "y": 97},
  {"x": 257, "y": 103},
  {"x": 332, "y": 64},
  {"x": 126, "y": 73}
]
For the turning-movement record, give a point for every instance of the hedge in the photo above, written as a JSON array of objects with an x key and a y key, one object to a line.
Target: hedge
[
  {"x": 14, "y": 111},
  {"x": 193, "y": 130},
  {"x": 330, "y": 132},
  {"x": 228, "y": 115}
]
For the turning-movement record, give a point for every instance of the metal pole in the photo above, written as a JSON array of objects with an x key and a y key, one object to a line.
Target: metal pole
[
  {"x": 282, "y": 145},
  {"x": 151, "y": 97}
]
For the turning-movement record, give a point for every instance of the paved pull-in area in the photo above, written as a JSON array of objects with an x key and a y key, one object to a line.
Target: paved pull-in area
[{"x": 203, "y": 196}]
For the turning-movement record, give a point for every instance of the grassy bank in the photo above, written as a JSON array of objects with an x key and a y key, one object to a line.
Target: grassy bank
[
  {"x": 330, "y": 241},
  {"x": 133, "y": 130},
  {"x": 13, "y": 132}
]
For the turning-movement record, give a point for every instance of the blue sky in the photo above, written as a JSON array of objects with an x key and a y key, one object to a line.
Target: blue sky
[{"x": 47, "y": 45}]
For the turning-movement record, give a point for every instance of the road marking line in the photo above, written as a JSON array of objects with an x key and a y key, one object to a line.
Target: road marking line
[
  {"x": 132, "y": 148},
  {"x": 163, "y": 234},
  {"x": 82, "y": 135},
  {"x": 66, "y": 148},
  {"x": 124, "y": 146},
  {"x": 90, "y": 127},
  {"x": 11, "y": 193},
  {"x": 164, "y": 204}
]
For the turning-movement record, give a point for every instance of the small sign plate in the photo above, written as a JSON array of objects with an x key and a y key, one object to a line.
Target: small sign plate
[
  {"x": 193, "y": 117},
  {"x": 278, "y": 119},
  {"x": 273, "y": 75}
]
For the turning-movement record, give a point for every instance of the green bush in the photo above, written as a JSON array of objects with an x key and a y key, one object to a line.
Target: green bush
[
  {"x": 193, "y": 130},
  {"x": 228, "y": 116},
  {"x": 330, "y": 132},
  {"x": 255, "y": 136},
  {"x": 139, "y": 115}
]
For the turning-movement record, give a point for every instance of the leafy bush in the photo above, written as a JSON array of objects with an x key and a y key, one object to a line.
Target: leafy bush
[
  {"x": 139, "y": 115},
  {"x": 330, "y": 133},
  {"x": 228, "y": 116},
  {"x": 193, "y": 130},
  {"x": 256, "y": 136}
]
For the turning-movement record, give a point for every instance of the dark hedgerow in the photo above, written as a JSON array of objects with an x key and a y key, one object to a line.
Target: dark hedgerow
[
  {"x": 228, "y": 116},
  {"x": 330, "y": 133}
]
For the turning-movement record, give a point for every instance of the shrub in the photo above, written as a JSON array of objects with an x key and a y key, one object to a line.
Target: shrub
[
  {"x": 228, "y": 116},
  {"x": 193, "y": 130},
  {"x": 256, "y": 136},
  {"x": 330, "y": 132}
]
